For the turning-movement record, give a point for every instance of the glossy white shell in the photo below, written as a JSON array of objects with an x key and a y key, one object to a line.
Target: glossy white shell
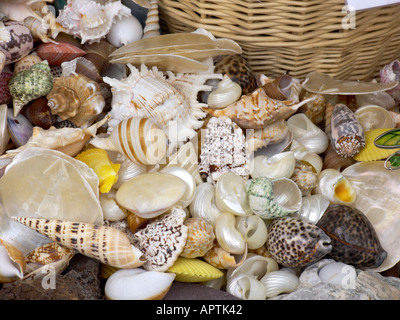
[
  {"x": 309, "y": 158},
  {"x": 281, "y": 281},
  {"x": 124, "y": 31},
  {"x": 338, "y": 273},
  {"x": 228, "y": 237},
  {"x": 246, "y": 287},
  {"x": 253, "y": 229},
  {"x": 313, "y": 207},
  {"x": 280, "y": 165},
  {"x": 203, "y": 205},
  {"x": 227, "y": 92},
  {"x": 335, "y": 186},
  {"x": 307, "y": 133},
  {"x": 111, "y": 210}
]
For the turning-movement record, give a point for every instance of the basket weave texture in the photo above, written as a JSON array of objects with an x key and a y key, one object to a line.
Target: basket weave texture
[{"x": 295, "y": 36}]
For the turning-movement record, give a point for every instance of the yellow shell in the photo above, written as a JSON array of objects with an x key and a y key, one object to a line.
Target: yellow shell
[
  {"x": 370, "y": 152},
  {"x": 200, "y": 238},
  {"x": 194, "y": 270},
  {"x": 100, "y": 162}
]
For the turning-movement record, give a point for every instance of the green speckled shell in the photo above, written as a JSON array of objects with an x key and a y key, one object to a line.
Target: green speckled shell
[
  {"x": 260, "y": 192},
  {"x": 354, "y": 239},
  {"x": 294, "y": 242},
  {"x": 30, "y": 84}
]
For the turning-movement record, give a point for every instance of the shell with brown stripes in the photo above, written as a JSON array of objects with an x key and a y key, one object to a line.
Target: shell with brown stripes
[{"x": 106, "y": 244}]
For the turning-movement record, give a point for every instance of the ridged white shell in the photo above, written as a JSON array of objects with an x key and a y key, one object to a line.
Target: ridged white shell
[
  {"x": 203, "y": 205},
  {"x": 280, "y": 165},
  {"x": 313, "y": 207},
  {"x": 335, "y": 186},
  {"x": 246, "y": 287},
  {"x": 281, "y": 281},
  {"x": 307, "y": 133}
]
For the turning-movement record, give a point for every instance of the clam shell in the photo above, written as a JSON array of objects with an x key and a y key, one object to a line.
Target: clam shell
[
  {"x": 303, "y": 242},
  {"x": 138, "y": 284},
  {"x": 99, "y": 161},
  {"x": 86, "y": 238},
  {"x": 354, "y": 239},
  {"x": 273, "y": 198},
  {"x": 150, "y": 194},
  {"x": 200, "y": 238},
  {"x": 278, "y": 282},
  {"x": 373, "y": 117},
  {"x": 57, "y": 53},
  {"x": 194, "y": 270}
]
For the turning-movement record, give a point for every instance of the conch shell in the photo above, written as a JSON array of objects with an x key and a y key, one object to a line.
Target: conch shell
[
  {"x": 76, "y": 98},
  {"x": 256, "y": 110},
  {"x": 108, "y": 245}
]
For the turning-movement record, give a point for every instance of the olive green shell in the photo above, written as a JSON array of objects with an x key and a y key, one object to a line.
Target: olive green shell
[
  {"x": 354, "y": 240},
  {"x": 238, "y": 70},
  {"x": 30, "y": 84},
  {"x": 294, "y": 242}
]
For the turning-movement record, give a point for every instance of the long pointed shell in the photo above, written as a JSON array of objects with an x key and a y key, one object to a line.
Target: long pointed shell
[
  {"x": 108, "y": 245},
  {"x": 152, "y": 26},
  {"x": 256, "y": 110}
]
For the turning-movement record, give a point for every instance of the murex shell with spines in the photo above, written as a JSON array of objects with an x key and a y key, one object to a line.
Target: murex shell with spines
[
  {"x": 294, "y": 242},
  {"x": 354, "y": 239},
  {"x": 171, "y": 101},
  {"x": 106, "y": 244},
  {"x": 30, "y": 84},
  {"x": 346, "y": 133}
]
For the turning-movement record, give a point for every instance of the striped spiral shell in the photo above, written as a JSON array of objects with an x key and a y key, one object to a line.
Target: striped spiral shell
[
  {"x": 140, "y": 139},
  {"x": 346, "y": 133},
  {"x": 106, "y": 244}
]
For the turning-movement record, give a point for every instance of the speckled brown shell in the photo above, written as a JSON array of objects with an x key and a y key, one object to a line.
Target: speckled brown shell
[
  {"x": 238, "y": 70},
  {"x": 346, "y": 133},
  {"x": 353, "y": 237},
  {"x": 293, "y": 242}
]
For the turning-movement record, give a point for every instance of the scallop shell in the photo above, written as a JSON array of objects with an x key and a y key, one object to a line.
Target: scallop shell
[
  {"x": 227, "y": 92},
  {"x": 30, "y": 84},
  {"x": 354, "y": 239},
  {"x": 89, "y": 20},
  {"x": 334, "y": 185},
  {"x": 223, "y": 150},
  {"x": 346, "y": 133},
  {"x": 273, "y": 198},
  {"x": 171, "y": 103},
  {"x": 237, "y": 68},
  {"x": 303, "y": 242},
  {"x": 150, "y": 194},
  {"x": 278, "y": 282},
  {"x": 138, "y": 284},
  {"x": 371, "y": 152},
  {"x": 20, "y": 44},
  {"x": 86, "y": 238},
  {"x": 100, "y": 162},
  {"x": 203, "y": 205},
  {"x": 57, "y": 53},
  {"x": 307, "y": 133},
  {"x": 374, "y": 117},
  {"x": 76, "y": 98},
  {"x": 200, "y": 238},
  {"x": 256, "y": 110},
  {"x": 194, "y": 270},
  {"x": 162, "y": 240},
  {"x": 280, "y": 165}
]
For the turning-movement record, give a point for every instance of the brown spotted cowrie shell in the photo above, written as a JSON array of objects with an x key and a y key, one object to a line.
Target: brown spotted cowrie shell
[
  {"x": 354, "y": 240},
  {"x": 294, "y": 242}
]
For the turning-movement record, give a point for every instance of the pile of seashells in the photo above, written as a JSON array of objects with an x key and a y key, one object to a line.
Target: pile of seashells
[{"x": 166, "y": 159}]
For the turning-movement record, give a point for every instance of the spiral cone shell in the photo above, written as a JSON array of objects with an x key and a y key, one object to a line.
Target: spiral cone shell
[{"x": 106, "y": 244}]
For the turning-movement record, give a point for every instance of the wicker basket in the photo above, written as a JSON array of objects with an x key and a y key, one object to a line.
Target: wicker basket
[{"x": 298, "y": 36}]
